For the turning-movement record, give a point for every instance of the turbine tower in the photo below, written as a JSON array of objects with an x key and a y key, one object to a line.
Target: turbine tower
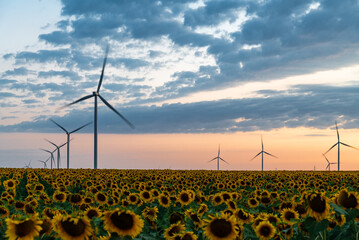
[
  {"x": 328, "y": 166},
  {"x": 52, "y": 155},
  {"x": 68, "y": 138},
  {"x": 218, "y": 157},
  {"x": 95, "y": 95},
  {"x": 58, "y": 151},
  {"x": 262, "y": 152},
  {"x": 338, "y": 143}
]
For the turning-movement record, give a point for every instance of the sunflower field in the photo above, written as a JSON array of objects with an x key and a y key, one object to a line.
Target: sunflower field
[{"x": 174, "y": 204}]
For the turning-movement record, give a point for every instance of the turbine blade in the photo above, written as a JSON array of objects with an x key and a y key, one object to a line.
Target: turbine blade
[
  {"x": 326, "y": 158},
  {"x": 103, "y": 70},
  {"x": 77, "y": 129},
  {"x": 59, "y": 125},
  {"x": 78, "y": 100},
  {"x": 45, "y": 150},
  {"x": 262, "y": 141},
  {"x": 336, "y": 126},
  {"x": 269, "y": 154},
  {"x": 62, "y": 145},
  {"x": 119, "y": 114},
  {"x": 256, "y": 156},
  {"x": 213, "y": 159},
  {"x": 330, "y": 148},
  {"x": 219, "y": 149},
  {"x": 327, "y": 167},
  {"x": 51, "y": 142},
  {"x": 224, "y": 160},
  {"x": 349, "y": 146}
]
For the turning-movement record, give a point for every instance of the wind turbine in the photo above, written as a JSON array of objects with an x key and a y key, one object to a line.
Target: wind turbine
[
  {"x": 44, "y": 162},
  {"x": 58, "y": 151},
  {"x": 95, "y": 95},
  {"x": 262, "y": 152},
  {"x": 28, "y": 165},
  {"x": 68, "y": 138},
  {"x": 218, "y": 157},
  {"x": 52, "y": 155},
  {"x": 338, "y": 143},
  {"x": 328, "y": 166}
]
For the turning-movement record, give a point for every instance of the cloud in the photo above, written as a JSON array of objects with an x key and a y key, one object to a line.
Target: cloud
[
  {"x": 17, "y": 71},
  {"x": 65, "y": 74},
  {"x": 42, "y": 56},
  {"x": 305, "y": 106}
]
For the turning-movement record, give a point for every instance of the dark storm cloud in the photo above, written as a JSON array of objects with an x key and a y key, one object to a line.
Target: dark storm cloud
[{"x": 305, "y": 106}]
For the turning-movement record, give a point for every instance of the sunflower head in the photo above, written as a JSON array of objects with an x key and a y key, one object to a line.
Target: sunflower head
[
  {"x": 265, "y": 230},
  {"x": 174, "y": 229},
  {"x": 243, "y": 217},
  {"x": 318, "y": 206},
  {"x": 124, "y": 223},
  {"x": 28, "y": 228},
  {"x": 347, "y": 199},
  {"x": 68, "y": 227},
  {"x": 92, "y": 212},
  {"x": 289, "y": 216},
  {"x": 220, "y": 227}
]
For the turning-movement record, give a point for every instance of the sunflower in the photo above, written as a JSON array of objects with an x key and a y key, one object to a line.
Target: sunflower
[
  {"x": 231, "y": 205},
  {"x": 273, "y": 219},
  {"x": 203, "y": 208},
  {"x": 71, "y": 228},
  {"x": 176, "y": 217},
  {"x": 243, "y": 217},
  {"x": 288, "y": 214},
  {"x": 191, "y": 214},
  {"x": 173, "y": 229},
  {"x": 75, "y": 199},
  {"x": 59, "y": 196},
  {"x": 318, "y": 206},
  {"x": 188, "y": 236},
  {"x": 217, "y": 199},
  {"x": 252, "y": 202},
  {"x": 347, "y": 199},
  {"x": 123, "y": 222},
  {"x": 26, "y": 229},
  {"x": 9, "y": 184},
  {"x": 184, "y": 197},
  {"x": 48, "y": 212},
  {"x": 19, "y": 205},
  {"x": 4, "y": 212},
  {"x": 100, "y": 197},
  {"x": 29, "y": 209},
  {"x": 146, "y": 196},
  {"x": 46, "y": 226},
  {"x": 301, "y": 209},
  {"x": 150, "y": 213},
  {"x": 92, "y": 212},
  {"x": 220, "y": 228},
  {"x": 265, "y": 230},
  {"x": 164, "y": 200}
]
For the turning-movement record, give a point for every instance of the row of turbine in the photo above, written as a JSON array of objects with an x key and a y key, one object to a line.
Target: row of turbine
[{"x": 218, "y": 158}]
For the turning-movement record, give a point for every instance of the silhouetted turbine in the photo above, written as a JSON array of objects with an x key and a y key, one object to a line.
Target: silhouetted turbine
[
  {"x": 338, "y": 143},
  {"x": 262, "y": 152},
  {"x": 218, "y": 157},
  {"x": 68, "y": 137},
  {"x": 44, "y": 162},
  {"x": 52, "y": 155},
  {"x": 95, "y": 95},
  {"x": 28, "y": 165},
  {"x": 328, "y": 166},
  {"x": 58, "y": 151}
]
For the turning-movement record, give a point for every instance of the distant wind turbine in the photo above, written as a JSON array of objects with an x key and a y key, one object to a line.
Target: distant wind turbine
[
  {"x": 328, "y": 166},
  {"x": 44, "y": 162},
  {"x": 52, "y": 155},
  {"x": 28, "y": 165},
  {"x": 58, "y": 151},
  {"x": 262, "y": 152},
  {"x": 68, "y": 137},
  {"x": 95, "y": 95},
  {"x": 218, "y": 157},
  {"x": 338, "y": 143}
]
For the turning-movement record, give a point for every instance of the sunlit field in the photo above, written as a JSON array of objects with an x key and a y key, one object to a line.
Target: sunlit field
[{"x": 170, "y": 204}]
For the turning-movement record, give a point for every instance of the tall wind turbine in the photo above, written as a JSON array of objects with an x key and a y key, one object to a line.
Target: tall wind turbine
[
  {"x": 329, "y": 163},
  {"x": 44, "y": 162},
  {"x": 95, "y": 95},
  {"x": 338, "y": 143},
  {"x": 58, "y": 151},
  {"x": 52, "y": 155},
  {"x": 68, "y": 138},
  {"x": 262, "y": 152},
  {"x": 218, "y": 157}
]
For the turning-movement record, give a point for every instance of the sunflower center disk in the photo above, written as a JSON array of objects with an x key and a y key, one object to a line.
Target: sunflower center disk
[
  {"x": 73, "y": 229},
  {"x": 348, "y": 201},
  {"x": 317, "y": 204},
  {"x": 220, "y": 228},
  {"x": 123, "y": 221},
  {"x": 24, "y": 228}
]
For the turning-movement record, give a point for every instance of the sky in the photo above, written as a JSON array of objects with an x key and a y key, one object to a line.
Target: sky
[{"x": 189, "y": 75}]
